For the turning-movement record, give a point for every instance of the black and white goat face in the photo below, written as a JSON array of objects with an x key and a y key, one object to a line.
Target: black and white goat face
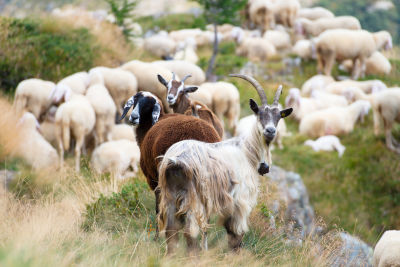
[
  {"x": 146, "y": 107},
  {"x": 175, "y": 89},
  {"x": 268, "y": 116}
]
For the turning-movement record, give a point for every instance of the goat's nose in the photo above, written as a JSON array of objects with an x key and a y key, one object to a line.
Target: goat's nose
[
  {"x": 170, "y": 97},
  {"x": 271, "y": 130}
]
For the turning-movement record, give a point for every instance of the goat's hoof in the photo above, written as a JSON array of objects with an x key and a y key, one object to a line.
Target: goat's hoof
[{"x": 263, "y": 168}]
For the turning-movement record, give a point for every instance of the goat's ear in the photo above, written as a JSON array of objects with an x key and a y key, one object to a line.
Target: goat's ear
[
  {"x": 253, "y": 106},
  {"x": 162, "y": 80},
  {"x": 155, "y": 115},
  {"x": 191, "y": 89},
  {"x": 286, "y": 112}
]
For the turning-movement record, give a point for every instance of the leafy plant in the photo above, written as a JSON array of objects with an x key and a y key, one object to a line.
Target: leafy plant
[{"x": 122, "y": 11}]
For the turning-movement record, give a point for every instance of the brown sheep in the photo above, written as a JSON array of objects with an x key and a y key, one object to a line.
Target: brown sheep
[{"x": 180, "y": 103}]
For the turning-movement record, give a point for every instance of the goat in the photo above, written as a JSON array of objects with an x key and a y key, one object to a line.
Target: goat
[
  {"x": 180, "y": 103},
  {"x": 197, "y": 179}
]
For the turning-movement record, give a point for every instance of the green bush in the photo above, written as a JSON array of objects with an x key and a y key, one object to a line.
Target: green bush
[
  {"x": 172, "y": 22},
  {"x": 42, "y": 48},
  {"x": 116, "y": 212}
]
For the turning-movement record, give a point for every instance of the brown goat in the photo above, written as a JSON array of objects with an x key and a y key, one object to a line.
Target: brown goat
[{"x": 180, "y": 103}]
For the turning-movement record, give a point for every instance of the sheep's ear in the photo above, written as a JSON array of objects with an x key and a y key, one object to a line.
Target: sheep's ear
[
  {"x": 190, "y": 89},
  {"x": 128, "y": 105},
  {"x": 253, "y": 106},
  {"x": 162, "y": 80},
  {"x": 286, "y": 112},
  {"x": 155, "y": 115}
]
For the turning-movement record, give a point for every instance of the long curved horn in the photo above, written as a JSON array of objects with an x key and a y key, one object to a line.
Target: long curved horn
[
  {"x": 256, "y": 85},
  {"x": 173, "y": 75},
  {"x": 186, "y": 77},
  {"x": 277, "y": 95}
]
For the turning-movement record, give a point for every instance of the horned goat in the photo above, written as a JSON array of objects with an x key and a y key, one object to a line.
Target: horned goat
[{"x": 198, "y": 179}]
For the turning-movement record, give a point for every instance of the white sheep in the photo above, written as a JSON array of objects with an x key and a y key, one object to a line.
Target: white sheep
[
  {"x": 32, "y": 147},
  {"x": 187, "y": 51},
  {"x": 333, "y": 121},
  {"x": 332, "y": 99},
  {"x": 316, "y": 82},
  {"x": 326, "y": 143},
  {"x": 376, "y": 64},
  {"x": 279, "y": 39},
  {"x": 305, "y": 49},
  {"x": 256, "y": 49},
  {"x": 285, "y": 12},
  {"x": 316, "y": 27},
  {"x": 202, "y": 95},
  {"x": 121, "y": 84},
  {"x": 183, "y": 68},
  {"x": 123, "y": 131},
  {"x": 103, "y": 106},
  {"x": 160, "y": 45},
  {"x": 315, "y": 13},
  {"x": 369, "y": 86},
  {"x": 33, "y": 95},
  {"x": 78, "y": 82},
  {"x": 48, "y": 126},
  {"x": 116, "y": 158},
  {"x": 146, "y": 74},
  {"x": 75, "y": 116},
  {"x": 387, "y": 250},
  {"x": 261, "y": 13},
  {"x": 342, "y": 44}
]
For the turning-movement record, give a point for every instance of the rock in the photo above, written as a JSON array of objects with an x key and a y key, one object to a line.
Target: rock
[
  {"x": 353, "y": 252},
  {"x": 6, "y": 176}
]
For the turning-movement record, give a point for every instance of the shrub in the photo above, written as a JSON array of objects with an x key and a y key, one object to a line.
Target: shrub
[{"x": 42, "y": 49}]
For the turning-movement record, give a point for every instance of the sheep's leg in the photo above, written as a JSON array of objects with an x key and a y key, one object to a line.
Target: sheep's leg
[
  {"x": 61, "y": 151},
  {"x": 78, "y": 147},
  {"x": 376, "y": 123},
  {"x": 234, "y": 239},
  {"x": 389, "y": 139},
  {"x": 330, "y": 60}
]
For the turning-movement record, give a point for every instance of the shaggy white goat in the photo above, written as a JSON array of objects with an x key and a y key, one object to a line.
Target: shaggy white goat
[{"x": 326, "y": 143}]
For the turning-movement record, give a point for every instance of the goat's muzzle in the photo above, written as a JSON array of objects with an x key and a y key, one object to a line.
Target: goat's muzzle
[{"x": 263, "y": 168}]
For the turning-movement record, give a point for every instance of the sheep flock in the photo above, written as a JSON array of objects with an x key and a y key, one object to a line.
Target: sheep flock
[{"x": 186, "y": 134}]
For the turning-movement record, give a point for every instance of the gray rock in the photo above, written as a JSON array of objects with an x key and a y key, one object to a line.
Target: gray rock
[
  {"x": 353, "y": 252},
  {"x": 6, "y": 176}
]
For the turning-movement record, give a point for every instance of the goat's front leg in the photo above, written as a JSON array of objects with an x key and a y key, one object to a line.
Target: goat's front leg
[{"x": 234, "y": 239}]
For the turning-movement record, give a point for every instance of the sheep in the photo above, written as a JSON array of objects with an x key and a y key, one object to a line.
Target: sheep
[
  {"x": 48, "y": 126},
  {"x": 78, "y": 82},
  {"x": 122, "y": 131},
  {"x": 256, "y": 49},
  {"x": 369, "y": 86},
  {"x": 314, "y": 28},
  {"x": 32, "y": 147},
  {"x": 202, "y": 95},
  {"x": 33, "y": 95},
  {"x": 376, "y": 64},
  {"x": 160, "y": 45},
  {"x": 75, "y": 116},
  {"x": 103, "y": 106},
  {"x": 387, "y": 250},
  {"x": 315, "y": 13},
  {"x": 304, "y": 106},
  {"x": 341, "y": 44},
  {"x": 286, "y": 11},
  {"x": 198, "y": 179},
  {"x": 180, "y": 103},
  {"x": 305, "y": 49},
  {"x": 157, "y": 131},
  {"x": 146, "y": 74},
  {"x": 121, "y": 84},
  {"x": 333, "y": 121},
  {"x": 182, "y": 67},
  {"x": 225, "y": 101},
  {"x": 326, "y": 143},
  {"x": 187, "y": 53},
  {"x": 332, "y": 99},
  {"x": 260, "y": 12},
  {"x": 116, "y": 157},
  {"x": 279, "y": 39},
  {"x": 386, "y": 107},
  {"x": 317, "y": 82}
]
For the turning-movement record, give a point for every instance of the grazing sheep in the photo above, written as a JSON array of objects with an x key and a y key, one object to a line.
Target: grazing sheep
[
  {"x": 182, "y": 67},
  {"x": 369, "y": 86},
  {"x": 32, "y": 147},
  {"x": 156, "y": 132},
  {"x": 387, "y": 250},
  {"x": 160, "y": 45},
  {"x": 317, "y": 82},
  {"x": 225, "y": 102},
  {"x": 376, "y": 64},
  {"x": 187, "y": 52},
  {"x": 121, "y": 84},
  {"x": 123, "y": 131},
  {"x": 146, "y": 74},
  {"x": 78, "y": 82},
  {"x": 286, "y": 11},
  {"x": 316, "y": 27},
  {"x": 116, "y": 157},
  {"x": 315, "y": 13},
  {"x": 75, "y": 116},
  {"x": 33, "y": 95},
  {"x": 333, "y": 121},
  {"x": 326, "y": 143},
  {"x": 279, "y": 39},
  {"x": 304, "y": 49},
  {"x": 180, "y": 103},
  {"x": 103, "y": 106},
  {"x": 342, "y": 44},
  {"x": 48, "y": 126},
  {"x": 260, "y": 12},
  {"x": 256, "y": 49},
  {"x": 202, "y": 95},
  {"x": 332, "y": 99},
  {"x": 198, "y": 179}
]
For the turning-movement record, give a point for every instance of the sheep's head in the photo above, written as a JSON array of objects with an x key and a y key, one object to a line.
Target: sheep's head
[
  {"x": 146, "y": 108},
  {"x": 268, "y": 116},
  {"x": 293, "y": 98},
  {"x": 176, "y": 89},
  {"x": 60, "y": 93}
]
